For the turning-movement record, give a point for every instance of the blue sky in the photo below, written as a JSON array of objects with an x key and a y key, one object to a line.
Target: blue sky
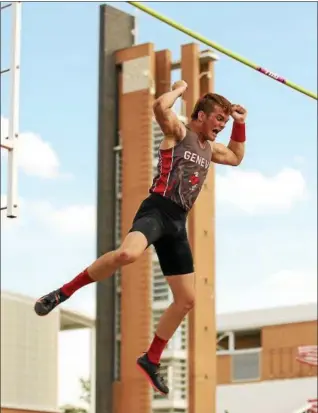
[{"x": 266, "y": 209}]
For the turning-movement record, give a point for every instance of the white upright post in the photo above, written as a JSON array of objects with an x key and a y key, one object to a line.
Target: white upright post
[{"x": 12, "y": 197}]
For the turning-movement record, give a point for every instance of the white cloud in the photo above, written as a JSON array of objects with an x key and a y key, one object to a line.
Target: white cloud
[
  {"x": 282, "y": 288},
  {"x": 35, "y": 156},
  {"x": 255, "y": 193},
  {"x": 292, "y": 286},
  {"x": 71, "y": 219},
  {"x": 63, "y": 220},
  {"x": 75, "y": 219}
]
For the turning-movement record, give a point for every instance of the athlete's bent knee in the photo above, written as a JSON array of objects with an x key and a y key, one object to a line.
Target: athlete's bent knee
[
  {"x": 187, "y": 302},
  {"x": 126, "y": 256}
]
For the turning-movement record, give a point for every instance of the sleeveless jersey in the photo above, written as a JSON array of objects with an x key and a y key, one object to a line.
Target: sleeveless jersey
[{"x": 182, "y": 170}]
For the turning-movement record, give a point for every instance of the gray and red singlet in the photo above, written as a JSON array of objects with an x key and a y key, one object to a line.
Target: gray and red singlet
[{"x": 182, "y": 171}]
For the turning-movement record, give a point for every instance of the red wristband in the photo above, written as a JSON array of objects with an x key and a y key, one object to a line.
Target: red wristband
[{"x": 238, "y": 132}]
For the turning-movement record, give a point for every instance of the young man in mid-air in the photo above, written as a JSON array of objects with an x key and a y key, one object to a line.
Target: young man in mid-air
[{"x": 184, "y": 159}]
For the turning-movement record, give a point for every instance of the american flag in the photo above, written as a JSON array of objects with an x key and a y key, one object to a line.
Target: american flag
[
  {"x": 313, "y": 406},
  {"x": 308, "y": 355}
]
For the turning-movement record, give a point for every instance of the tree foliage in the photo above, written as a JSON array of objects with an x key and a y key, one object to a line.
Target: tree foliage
[
  {"x": 85, "y": 397},
  {"x": 86, "y": 391}
]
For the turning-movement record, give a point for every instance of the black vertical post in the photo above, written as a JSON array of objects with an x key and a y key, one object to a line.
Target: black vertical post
[{"x": 116, "y": 32}]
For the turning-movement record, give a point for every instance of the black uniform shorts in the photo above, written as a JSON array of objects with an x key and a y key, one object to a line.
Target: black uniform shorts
[{"x": 163, "y": 223}]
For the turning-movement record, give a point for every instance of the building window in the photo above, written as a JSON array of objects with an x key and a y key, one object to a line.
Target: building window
[
  {"x": 239, "y": 340},
  {"x": 246, "y": 365},
  {"x": 225, "y": 342},
  {"x": 245, "y": 340},
  {"x": 244, "y": 347},
  {"x": 160, "y": 288},
  {"x": 176, "y": 341}
]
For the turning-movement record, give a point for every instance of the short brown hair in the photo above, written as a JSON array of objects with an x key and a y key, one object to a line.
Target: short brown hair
[{"x": 208, "y": 102}]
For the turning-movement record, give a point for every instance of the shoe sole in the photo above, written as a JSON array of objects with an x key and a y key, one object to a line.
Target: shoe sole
[
  {"x": 38, "y": 308},
  {"x": 149, "y": 380}
]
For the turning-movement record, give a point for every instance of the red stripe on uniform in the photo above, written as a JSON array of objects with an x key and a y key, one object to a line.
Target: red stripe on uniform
[{"x": 165, "y": 163}]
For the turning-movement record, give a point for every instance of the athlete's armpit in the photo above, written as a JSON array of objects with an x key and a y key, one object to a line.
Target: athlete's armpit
[{"x": 232, "y": 154}]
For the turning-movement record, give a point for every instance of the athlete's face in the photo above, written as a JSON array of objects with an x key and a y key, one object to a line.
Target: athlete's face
[{"x": 213, "y": 123}]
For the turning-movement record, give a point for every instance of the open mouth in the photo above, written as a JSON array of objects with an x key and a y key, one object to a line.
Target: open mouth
[{"x": 215, "y": 131}]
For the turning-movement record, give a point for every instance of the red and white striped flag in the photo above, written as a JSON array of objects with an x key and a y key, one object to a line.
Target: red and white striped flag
[
  {"x": 308, "y": 355},
  {"x": 313, "y": 406}
]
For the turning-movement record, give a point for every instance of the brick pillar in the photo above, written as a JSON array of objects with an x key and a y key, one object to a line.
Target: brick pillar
[
  {"x": 163, "y": 72},
  {"x": 206, "y": 77},
  {"x": 135, "y": 120},
  {"x": 202, "y": 328}
]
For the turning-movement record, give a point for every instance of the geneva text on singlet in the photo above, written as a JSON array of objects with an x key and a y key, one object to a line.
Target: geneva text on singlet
[{"x": 182, "y": 171}]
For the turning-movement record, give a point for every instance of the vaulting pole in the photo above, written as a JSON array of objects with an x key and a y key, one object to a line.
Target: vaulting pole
[{"x": 221, "y": 49}]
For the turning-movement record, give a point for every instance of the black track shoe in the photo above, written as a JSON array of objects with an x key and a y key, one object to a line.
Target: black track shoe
[
  {"x": 48, "y": 302},
  {"x": 151, "y": 372}
]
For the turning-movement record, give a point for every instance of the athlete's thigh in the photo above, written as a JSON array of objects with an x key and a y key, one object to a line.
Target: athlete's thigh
[
  {"x": 174, "y": 254},
  {"x": 148, "y": 222}
]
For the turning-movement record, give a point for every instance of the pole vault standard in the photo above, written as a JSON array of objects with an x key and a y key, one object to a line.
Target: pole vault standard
[
  {"x": 10, "y": 142},
  {"x": 221, "y": 49}
]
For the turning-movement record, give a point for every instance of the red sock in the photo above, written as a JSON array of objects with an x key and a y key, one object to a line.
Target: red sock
[
  {"x": 78, "y": 282},
  {"x": 156, "y": 349}
]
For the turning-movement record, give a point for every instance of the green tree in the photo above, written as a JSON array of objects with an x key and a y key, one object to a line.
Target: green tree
[
  {"x": 86, "y": 391},
  {"x": 85, "y": 396}
]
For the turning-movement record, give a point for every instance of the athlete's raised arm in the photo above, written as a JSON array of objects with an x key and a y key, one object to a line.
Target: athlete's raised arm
[
  {"x": 232, "y": 154},
  {"x": 168, "y": 121}
]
